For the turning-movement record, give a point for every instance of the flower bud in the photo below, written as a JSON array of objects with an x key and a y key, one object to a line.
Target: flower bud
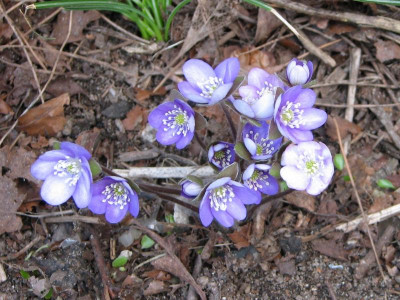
[
  {"x": 299, "y": 72},
  {"x": 190, "y": 189}
]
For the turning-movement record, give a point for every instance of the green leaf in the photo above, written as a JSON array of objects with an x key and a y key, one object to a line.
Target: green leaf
[
  {"x": 346, "y": 178},
  {"x": 24, "y": 274},
  {"x": 133, "y": 185},
  {"x": 146, "y": 242},
  {"x": 338, "y": 161},
  {"x": 120, "y": 261},
  {"x": 236, "y": 84},
  {"x": 283, "y": 186},
  {"x": 242, "y": 151},
  {"x": 49, "y": 294},
  {"x": 169, "y": 218},
  {"x": 57, "y": 146},
  {"x": 273, "y": 132},
  {"x": 95, "y": 167},
  {"x": 385, "y": 184},
  {"x": 275, "y": 170},
  {"x": 310, "y": 84},
  {"x": 195, "y": 179},
  {"x": 231, "y": 171}
]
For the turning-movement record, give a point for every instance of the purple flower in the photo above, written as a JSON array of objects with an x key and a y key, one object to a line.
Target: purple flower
[
  {"x": 299, "y": 72},
  {"x": 257, "y": 177},
  {"x": 174, "y": 122},
  {"x": 224, "y": 200},
  {"x": 258, "y": 96},
  {"x": 256, "y": 141},
  {"x": 205, "y": 85},
  {"x": 295, "y": 116},
  {"x": 113, "y": 197},
  {"x": 307, "y": 166},
  {"x": 190, "y": 189},
  {"x": 221, "y": 155},
  {"x": 66, "y": 173}
]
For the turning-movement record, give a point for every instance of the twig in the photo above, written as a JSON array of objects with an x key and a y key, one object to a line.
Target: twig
[
  {"x": 75, "y": 218},
  {"x": 344, "y": 82},
  {"x": 229, "y": 118},
  {"x": 364, "y": 216},
  {"x": 164, "y": 172},
  {"x": 330, "y": 289},
  {"x": 44, "y": 215},
  {"x": 326, "y": 58},
  {"x": 23, "y": 250},
  {"x": 101, "y": 265},
  {"x": 172, "y": 255},
  {"x": 368, "y": 261},
  {"x": 196, "y": 271},
  {"x": 369, "y": 21},
  {"x": 357, "y": 106}
]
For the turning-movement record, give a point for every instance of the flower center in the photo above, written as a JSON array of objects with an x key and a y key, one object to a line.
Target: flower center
[
  {"x": 311, "y": 164},
  {"x": 263, "y": 145},
  {"x": 254, "y": 182},
  {"x": 209, "y": 86},
  {"x": 291, "y": 115},
  {"x": 116, "y": 194},
  {"x": 220, "y": 196},
  {"x": 176, "y": 118},
  {"x": 259, "y": 149},
  {"x": 223, "y": 157},
  {"x": 70, "y": 168}
]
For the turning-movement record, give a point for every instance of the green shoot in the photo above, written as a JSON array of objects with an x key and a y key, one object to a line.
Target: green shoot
[{"x": 385, "y": 184}]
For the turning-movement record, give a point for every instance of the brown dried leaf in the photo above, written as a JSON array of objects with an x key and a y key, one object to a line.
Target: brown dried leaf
[
  {"x": 155, "y": 287},
  {"x": 64, "y": 85},
  {"x": 89, "y": 139},
  {"x": 11, "y": 200},
  {"x": 136, "y": 116},
  {"x": 241, "y": 237},
  {"x": 340, "y": 28},
  {"x": 330, "y": 248},
  {"x": 17, "y": 162},
  {"x": 381, "y": 201},
  {"x": 387, "y": 50},
  {"x": 4, "y": 107},
  {"x": 345, "y": 127},
  {"x": 45, "y": 119},
  {"x": 157, "y": 275},
  {"x": 79, "y": 21},
  {"x": 301, "y": 199},
  {"x": 286, "y": 267},
  {"x": 266, "y": 24}
]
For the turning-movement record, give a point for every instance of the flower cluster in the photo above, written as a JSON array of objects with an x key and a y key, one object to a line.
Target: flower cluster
[
  {"x": 274, "y": 112},
  {"x": 66, "y": 172}
]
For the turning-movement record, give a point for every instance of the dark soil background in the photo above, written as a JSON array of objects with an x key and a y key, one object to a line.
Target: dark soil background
[{"x": 99, "y": 82}]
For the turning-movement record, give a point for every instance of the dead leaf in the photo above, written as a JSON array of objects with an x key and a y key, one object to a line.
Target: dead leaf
[
  {"x": 330, "y": 248},
  {"x": 345, "y": 127},
  {"x": 64, "y": 85},
  {"x": 387, "y": 50},
  {"x": 266, "y": 24},
  {"x": 241, "y": 237},
  {"x": 340, "y": 28},
  {"x": 79, "y": 21},
  {"x": 5, "y": 109},
  {"x": 40, "y": 287},
  {"x": 286, "y": 267},
  {"x": 40, "y": 143},
  {"x": 11, "y": 200},
  {"x": 381, "y": 201},
  {"x": 254, "y": 59},
  {"x": 45, "y": 119},
  {"x": 136, "y": 116},
  {"x": 301, "y": 199},
  {"x": 155, "y": 287},
  {"x": 89, "y": 139},
  {"x": 17, "y": 162},
  {"x": 141, "y": 94},
  {"x": 157, "y": 275}
]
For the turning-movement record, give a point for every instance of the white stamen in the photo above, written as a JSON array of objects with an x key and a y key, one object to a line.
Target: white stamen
[
  {"x": 177, "y": 117},
  {"x": 116, "y": 194},
  {"x": 209, "y": 86},
  {"x": 291, "y": 115},
  {"x": 70, "y": 168},
  {"x": 220, "y": 197}
]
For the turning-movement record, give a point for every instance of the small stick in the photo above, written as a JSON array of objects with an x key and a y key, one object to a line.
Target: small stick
[
  {"x": 23, "y": 250},
  {"x": 101, "y": 265},
  {"x": 191, "y": 295},
  {"x": 75, "y": 218},
  {"x": 365, "y": 219},
  {"x": 357, "y": 106},
  {"x": 164, "y": 172}
]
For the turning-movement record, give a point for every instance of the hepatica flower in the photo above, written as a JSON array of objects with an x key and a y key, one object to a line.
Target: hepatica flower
[
  {"x": 258, "y": 97},
  {"x": 190, "y": 189},
  {"x": 295, "y": 116},
  {"x": 114, "y": 197},
  {"x": 257, "y": 177},
  {"x": 307, "y": 166},
  {"x": 66, "y": 173},
  {"x": 206, "y": 85},
  {"x": 224, "y": 200},
  {"x": 221, "y": 155},
  {"x": 256, "y": 141},
  {"x": 174, "y": 122},
  {"x": 299, "y": 72}
]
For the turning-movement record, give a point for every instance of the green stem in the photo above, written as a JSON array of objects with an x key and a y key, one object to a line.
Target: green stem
[{"x": 171, "y": 17}]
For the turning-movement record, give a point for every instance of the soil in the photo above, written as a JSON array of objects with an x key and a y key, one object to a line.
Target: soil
[{"x": 286, "y": 249}]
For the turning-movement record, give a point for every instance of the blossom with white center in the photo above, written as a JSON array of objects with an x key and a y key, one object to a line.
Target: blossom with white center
[
  {"x": 299, "y": 72},
  {"x": 221, "y": 155},
  {"x": 174, "y": 122},
  {"x": 206, "y": 85},
  {"x": 190, "y": 189},
  {"x": 114, "y": 197},
  {"x": 66, "y": 172},
  {"x": 224, "y": 200},
  {"x": 307, "y": 166},
  {"x": 257, "y": 177},
  {"x": 257, "y": 143},
  {"x": 295, "y": 116},
  {"x": 258, "y": 97}
]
